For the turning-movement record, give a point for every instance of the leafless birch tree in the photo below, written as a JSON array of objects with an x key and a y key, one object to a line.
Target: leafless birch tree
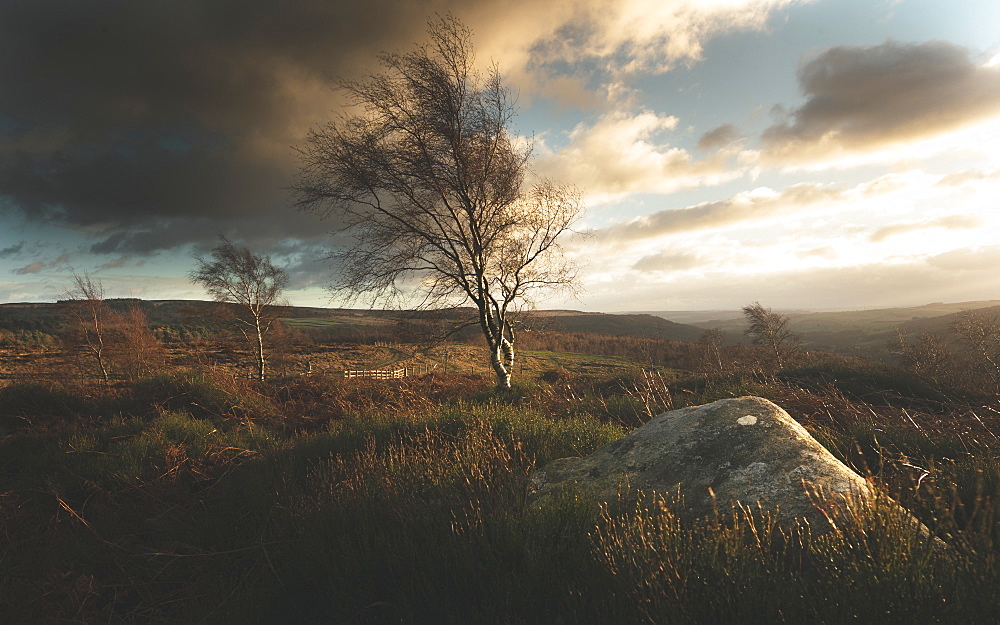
[
  {"x": 428, "y": 183},
  {"x": 770, "y": 329},
  {"x": 981, "y": 335},
  {"x": 713, "y": 339},
  {"x": 90, "y": 320},
  {"x": 251, "y": 283}
]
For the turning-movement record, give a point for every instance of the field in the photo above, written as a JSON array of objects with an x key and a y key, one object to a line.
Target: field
[{"x": 196, "y": 494}]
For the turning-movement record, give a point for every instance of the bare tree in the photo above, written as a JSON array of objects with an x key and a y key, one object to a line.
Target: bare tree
[
  {"x": 770, "y": 329},
  {"x": 712, "y": 340},
  {"x": 284, "y": 340},
  {"x": 428, "y": 181},
  {"x": 90, "y": 319},
  {"x": 120, "y": 343},
  {"x": 928, "y": 356},
  {"x": 981, "y": 334},
  {"x": 137, "y": 352},
  {"x": 251, "y": 283}
]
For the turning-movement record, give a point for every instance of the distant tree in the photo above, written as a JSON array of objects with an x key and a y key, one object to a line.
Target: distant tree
[
  {"x": 981, "y": 335},
  {"x": 712, "y": 340},
  {"x": 120, "y": 343},
  {"x": 770, "y": 329},
  {"x": 137, "y": 352},
  {"x": 427, "y": 180},
  {"x": 928, "y": 356},
  {"x": 284, "y": 340},
  {"x": 251, "y": 284},
  {"x": 89, "y": 320}
]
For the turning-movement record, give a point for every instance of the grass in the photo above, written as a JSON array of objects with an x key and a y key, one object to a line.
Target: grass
[{"x": 194, "y": 497}]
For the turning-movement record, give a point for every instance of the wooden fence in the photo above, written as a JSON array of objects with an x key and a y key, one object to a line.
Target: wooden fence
[
  {"x": 377, "y": 374},
  {"x": 388, "y": 374}
]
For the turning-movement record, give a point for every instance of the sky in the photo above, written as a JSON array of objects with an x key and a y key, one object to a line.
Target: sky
[{"x": 823, "y": 154}]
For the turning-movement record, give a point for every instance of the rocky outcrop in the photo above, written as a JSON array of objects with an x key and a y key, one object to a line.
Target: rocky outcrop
[{"x": 744, "y": 450}]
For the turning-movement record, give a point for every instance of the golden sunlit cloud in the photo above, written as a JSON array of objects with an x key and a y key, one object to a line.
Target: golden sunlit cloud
[
  {"x": 646, "y": 35},
  {"x": 758, "y": 206},
  {"x": 948, "y": 222},
  {"x": 625, "y": 153},
  {"x": 566, "y": 42}
]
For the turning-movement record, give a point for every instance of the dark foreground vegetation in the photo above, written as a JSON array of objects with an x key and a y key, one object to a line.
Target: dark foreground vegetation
[{"x": 196, "y": 497}]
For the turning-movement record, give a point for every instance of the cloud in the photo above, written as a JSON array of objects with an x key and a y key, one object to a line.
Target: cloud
[
  {"x": 719, "y": 137},
  {"x": 127, "y": 118},
  {"x": 117, "y": 263},
  {"x": 949, "y": 222},
  {"x": 756, "y": 205},
  {"x": 862, "y": 98},
  {"x": 13, "y": 250},
  {"x": 963, "y": 178},
  {"x": 39, "y": 266},
  {"x": 826, "y": 252},
  {"x": 34, "y": 267},
  {"x": 959, "y": 275},
  {"x": 645, "y": 35},
  {"x": 624, "y": 152},
  {"x": 130, "y": 114},
  {"x": 663, "y": 261},
  {"x": 980, "y": 259}
]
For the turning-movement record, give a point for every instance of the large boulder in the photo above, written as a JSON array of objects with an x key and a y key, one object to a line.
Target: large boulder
[{"x": 744, "y": 450}]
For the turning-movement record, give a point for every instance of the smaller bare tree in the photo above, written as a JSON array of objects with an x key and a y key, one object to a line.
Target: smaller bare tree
[
  {"x": 90, "y": 319},
  {"x": 712, "y": 340},
  {"x": 770, "y": 329},
  {"x": 137, "y": 352},
  {"x": 251, "y": 284},
  {"x": 981, "y": 335},
  {"x": 284, "y": 341},
  {"x": 928, "y": 356}
]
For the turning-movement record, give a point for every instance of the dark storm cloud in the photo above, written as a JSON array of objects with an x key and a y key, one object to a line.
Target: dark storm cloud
[
  {"x": 140, "y": 119},
  {"x": 264, "y": 232},
  {"x": 861, "y": 97},
  {"x": 128, "y": 181},
  {"x": 12, "y": 250}
]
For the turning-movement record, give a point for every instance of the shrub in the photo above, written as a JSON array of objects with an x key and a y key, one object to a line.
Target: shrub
[
  {"x": 218, "y": 398},
  {"x": 37, "y": 405}
]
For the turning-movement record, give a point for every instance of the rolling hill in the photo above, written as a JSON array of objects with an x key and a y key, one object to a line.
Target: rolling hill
[{"x": 856, "y": 332}]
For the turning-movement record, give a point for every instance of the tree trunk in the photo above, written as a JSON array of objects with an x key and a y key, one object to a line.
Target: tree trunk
[
  {"x": 260, "y": 351},
  {"x": 502, "y": 359},
  {"x": 501, "y": 349},
  {"x": 777, "y": 354},
  {"x": 103, "y": 367},
  {"x": 98, "y": 347}
]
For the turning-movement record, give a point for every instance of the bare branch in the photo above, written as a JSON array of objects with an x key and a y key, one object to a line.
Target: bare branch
[
  {"x": 428, "y": 181},
  {"x": 770, "y": 329},
  {"x": 235, "y": 275}
]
